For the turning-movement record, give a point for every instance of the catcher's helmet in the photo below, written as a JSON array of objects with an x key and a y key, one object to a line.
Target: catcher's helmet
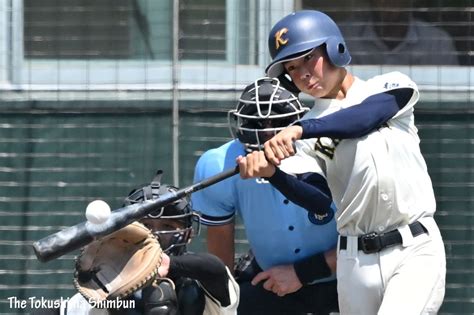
[
  {"x": 299, "y": 33},
  {"x": 264, "y": 108},
  {"x": 174, "y": 238}
]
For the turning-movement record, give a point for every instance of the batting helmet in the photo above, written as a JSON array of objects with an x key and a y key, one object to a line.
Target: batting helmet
[
  {"x": 299, "y": 33},
  {"x": 264, "y": 108},
  {"x": 175, "y": 237}
]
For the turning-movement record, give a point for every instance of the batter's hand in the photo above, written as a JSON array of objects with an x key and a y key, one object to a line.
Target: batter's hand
[
  {"x": 281, "y": 146},
  {"x": 255, "y": 165},
  {"x": 281, "y": 280}
]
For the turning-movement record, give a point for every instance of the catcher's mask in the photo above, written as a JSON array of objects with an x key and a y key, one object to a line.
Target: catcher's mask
[
  {"x": 264, "y": 108},
  {"x": 173, "y": 223}
]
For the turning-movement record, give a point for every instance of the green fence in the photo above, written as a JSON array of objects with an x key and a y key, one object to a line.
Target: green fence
[{"x": 54, "y": 161}]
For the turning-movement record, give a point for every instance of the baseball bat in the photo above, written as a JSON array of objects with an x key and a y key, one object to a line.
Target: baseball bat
[{"x": 79, "y": 235}]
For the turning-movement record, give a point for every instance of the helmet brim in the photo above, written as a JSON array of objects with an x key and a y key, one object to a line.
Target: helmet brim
[{"x": 276, "y": 68}]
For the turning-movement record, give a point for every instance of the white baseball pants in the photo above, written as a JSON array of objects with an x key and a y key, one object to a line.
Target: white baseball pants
[{"x": 406, "y": 279}]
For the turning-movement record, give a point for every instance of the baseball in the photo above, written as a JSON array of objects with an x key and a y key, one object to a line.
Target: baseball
[{"x": 97, "y": 212}]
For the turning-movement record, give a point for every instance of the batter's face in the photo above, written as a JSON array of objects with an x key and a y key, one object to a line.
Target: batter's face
[{"x": 315, "y": 75}]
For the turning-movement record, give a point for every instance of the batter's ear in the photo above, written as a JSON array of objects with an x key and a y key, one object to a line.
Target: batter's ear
[{"x": 288, "y": 84}]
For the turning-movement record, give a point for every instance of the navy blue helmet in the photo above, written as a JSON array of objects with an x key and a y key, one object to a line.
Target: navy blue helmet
[{"x": 298, "y": 33}]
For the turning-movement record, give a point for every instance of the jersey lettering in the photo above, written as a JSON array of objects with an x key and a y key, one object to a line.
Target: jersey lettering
[
  {"x": 325, "y": 147},
  {"x": 391, "y": 85}
]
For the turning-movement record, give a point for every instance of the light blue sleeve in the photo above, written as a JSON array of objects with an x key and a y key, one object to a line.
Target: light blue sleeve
[{"x": 216, "y": 202}]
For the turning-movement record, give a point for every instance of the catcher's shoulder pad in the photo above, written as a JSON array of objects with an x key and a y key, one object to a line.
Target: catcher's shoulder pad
[{"x": 118, "y": 264}]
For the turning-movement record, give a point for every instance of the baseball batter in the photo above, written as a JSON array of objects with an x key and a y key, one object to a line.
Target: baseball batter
[
  {"x": 391, "y": 257},
  {"x": 292, "y": 273}
]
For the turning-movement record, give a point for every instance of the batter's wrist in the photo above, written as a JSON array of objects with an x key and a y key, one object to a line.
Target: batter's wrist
[
  {"x": 277, "y": 173},
  {"x": 301, "y": 124}
]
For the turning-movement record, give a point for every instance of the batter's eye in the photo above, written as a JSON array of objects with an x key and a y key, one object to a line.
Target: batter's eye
[{"x": 290, "y": 68}]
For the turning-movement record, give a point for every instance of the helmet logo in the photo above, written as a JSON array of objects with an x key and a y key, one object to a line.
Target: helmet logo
[{"x": 279, "y": 41}]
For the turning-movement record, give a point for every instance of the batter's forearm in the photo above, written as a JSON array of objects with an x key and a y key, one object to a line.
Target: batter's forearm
[{"x": 314, "y": 197}]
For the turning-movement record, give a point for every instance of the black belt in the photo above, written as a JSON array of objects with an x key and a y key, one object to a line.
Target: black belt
[{"x": 373, "y": 242}]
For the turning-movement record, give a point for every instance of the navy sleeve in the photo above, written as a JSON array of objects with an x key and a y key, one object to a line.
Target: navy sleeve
[
  {"x": 358, "y": 120},
  {"x": 309, "y": 190}
]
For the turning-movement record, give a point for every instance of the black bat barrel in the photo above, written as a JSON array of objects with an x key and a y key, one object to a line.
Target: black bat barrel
[{"x": 77, "y": 236}]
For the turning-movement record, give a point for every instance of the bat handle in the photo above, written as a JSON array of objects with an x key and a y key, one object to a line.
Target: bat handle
[{"x": 212, "y": 180}]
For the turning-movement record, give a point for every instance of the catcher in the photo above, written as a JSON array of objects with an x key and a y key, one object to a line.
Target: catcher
[{"x": 141, "y": 276}]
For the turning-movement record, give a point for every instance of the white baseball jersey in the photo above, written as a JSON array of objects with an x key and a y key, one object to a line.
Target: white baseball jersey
[{"x": 380, "y": 181}]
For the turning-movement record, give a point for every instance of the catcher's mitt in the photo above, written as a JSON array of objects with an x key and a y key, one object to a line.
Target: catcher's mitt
[{"x": 118, "y": 264}]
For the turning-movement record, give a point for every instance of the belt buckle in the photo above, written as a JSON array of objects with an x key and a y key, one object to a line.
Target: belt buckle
[{"x": 371, "y": 243}]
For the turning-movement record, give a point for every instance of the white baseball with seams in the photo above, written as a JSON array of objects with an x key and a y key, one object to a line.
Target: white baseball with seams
[{"x": 97, "y": 212}]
